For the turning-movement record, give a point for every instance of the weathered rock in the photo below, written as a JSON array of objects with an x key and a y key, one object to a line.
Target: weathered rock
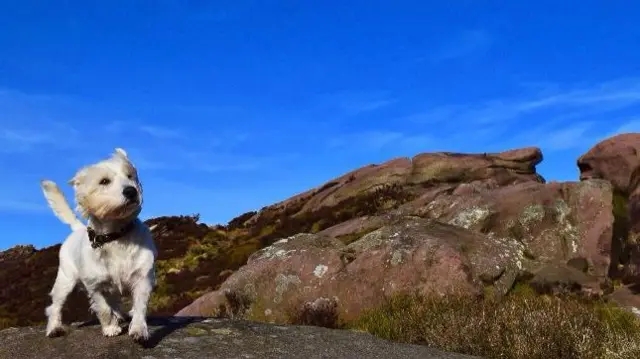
[
  {"x": 556, "y": 222},
  {"x": 190, "y": 338},
  {"x": 305, "y": 272},
  {"x": 617, "y": 160},
  {"x": 424, "y": 170},
  {"x": 493, "y": 236}
]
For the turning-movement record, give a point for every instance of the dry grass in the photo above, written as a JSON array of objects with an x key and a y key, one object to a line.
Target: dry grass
[{"x": 523, "y": 325}]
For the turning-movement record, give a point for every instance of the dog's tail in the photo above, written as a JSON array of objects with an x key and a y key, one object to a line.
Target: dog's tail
[{"x": 59, "y": 205}]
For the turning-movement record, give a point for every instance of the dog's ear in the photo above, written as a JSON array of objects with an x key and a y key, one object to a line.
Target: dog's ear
[
  {"x": 77, "y": 177},
  {"x": 74, "y": 181},
  {"x": 121, "y": 153}
]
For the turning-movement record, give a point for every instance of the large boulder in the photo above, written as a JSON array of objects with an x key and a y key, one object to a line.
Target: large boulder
[
  {"x": 319, "y": 276},
  {"x": 617, "y": 160},
  {"x": 555, "y": 222}
]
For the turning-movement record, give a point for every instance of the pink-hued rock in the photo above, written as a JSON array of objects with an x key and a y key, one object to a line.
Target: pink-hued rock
[
  {"x": 471, "y": 222},
  {"x": 617, "y": 160},
  {"x": 554, "y": 221},
  {"x": 409, "y": 254},
  {"x": 419, "y": 174}
]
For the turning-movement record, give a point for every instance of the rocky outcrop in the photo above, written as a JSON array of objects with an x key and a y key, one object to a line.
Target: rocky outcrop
[
  {"x": 299, "y": 274},
  {"x": 473, "y": 224},
  {"x": 426, "y": 170},
  {"x": 617, "y": 160},
  {"x": 466, "y": 244},
  {"x": 210, "y": 338}
]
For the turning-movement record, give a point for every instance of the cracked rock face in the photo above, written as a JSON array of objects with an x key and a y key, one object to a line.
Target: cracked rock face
[
  {"x": 453, "y": 244},
  {"x": 408, "y": 254},
  {"x": 617, "y": 160}
]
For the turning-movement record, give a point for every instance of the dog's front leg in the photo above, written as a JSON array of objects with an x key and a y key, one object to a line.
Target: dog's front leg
[
  {"x": 115, "y": 302},
  {"x": 141, "y": 292},
  {"x": 106, "y": 316}
]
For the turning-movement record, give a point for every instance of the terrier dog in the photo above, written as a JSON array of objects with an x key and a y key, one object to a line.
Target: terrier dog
[{"x": 112, "y": 255}]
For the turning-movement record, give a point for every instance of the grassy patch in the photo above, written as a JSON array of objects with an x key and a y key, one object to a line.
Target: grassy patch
[{"x": 522, "y": 325}]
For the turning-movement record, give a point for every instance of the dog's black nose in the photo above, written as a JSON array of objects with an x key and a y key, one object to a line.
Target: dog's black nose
[{"x": 130, "y": 192}]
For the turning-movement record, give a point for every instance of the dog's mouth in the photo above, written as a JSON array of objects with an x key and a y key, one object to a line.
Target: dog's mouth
[
  {"x": 132, "y": 202},
  {"x": 131, "y": 205},
  {"x": 128, "y": 207}
]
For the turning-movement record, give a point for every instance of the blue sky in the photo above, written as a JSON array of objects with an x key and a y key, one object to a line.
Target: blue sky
[{"x": 227, "y": 106}]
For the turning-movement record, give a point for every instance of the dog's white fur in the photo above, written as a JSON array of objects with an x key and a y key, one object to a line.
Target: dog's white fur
[{"x": 121, "y": 266}]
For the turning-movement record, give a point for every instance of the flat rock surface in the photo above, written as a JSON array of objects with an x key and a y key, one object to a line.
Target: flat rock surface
[{"x": 210, "y": 338}]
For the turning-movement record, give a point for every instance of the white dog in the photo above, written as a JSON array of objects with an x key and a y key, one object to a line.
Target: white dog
[{"x": 113, "y": 255}]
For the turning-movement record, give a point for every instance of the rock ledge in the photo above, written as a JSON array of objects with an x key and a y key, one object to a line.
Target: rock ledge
[{"x": 185, "y": 338}]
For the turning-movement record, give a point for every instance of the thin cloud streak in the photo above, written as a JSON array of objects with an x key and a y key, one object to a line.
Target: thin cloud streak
[
  {"x": 14, "y": 206},
  {"x": 160, "y": 132},
  {"x": 573, "y": 102},
  {"x": 378, "y": 140}
]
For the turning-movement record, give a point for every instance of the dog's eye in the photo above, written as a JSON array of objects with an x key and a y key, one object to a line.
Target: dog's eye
[
  {"x": 130, "y": 176},
  {"x": 105, "y": 181}
]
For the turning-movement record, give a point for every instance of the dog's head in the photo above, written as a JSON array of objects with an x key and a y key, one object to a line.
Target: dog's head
[{"x": 108, "y": 190}]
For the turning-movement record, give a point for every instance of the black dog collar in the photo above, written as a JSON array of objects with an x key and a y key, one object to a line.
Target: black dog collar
[{"x": 98, "y": 240}]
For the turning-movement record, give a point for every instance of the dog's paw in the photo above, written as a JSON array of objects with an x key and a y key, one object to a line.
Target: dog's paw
[
  {"x": 139, "y": 332},
  {"x": 111, "y": 330},
  {"x": 56, "y": 331}
]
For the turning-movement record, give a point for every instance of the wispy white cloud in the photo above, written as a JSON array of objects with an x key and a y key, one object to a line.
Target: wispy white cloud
[
  {"x": 19, "y": 139},
  {"x": 161, "y": 132},
  {"x": 377, "y": 140},
  {"x": 461, "y": 45},
  {"x": 177, "y": 158},
  {"x": 13, "y": 206},
  {"x": 25, "y": 138},
  {"x": 118, "y": 127},
  {"x": 557, "y": 137},
  {"x": 554, "y": 117},
  {"x": 632, "y": 125},
  {"x": 353, "y": 103},
  {"x": 568, "y": 101},
  {"x": 233, "y": 162}
]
